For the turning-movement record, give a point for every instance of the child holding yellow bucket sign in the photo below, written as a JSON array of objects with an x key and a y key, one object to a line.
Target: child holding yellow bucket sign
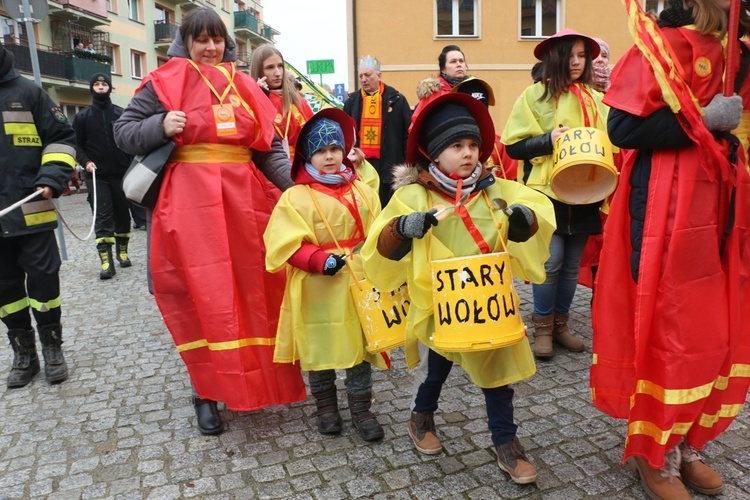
[
  {"x": 450, "y": 139},
  {"x": 311, "y": 232},
  {"x": 561, "y": 103}
]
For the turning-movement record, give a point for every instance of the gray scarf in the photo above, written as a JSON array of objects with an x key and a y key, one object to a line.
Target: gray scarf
[
  {"x": 451, "y": 185},
  {"x": 343, "y": 175}
]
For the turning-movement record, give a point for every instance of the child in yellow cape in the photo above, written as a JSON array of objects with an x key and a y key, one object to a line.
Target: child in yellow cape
[
  {"x": 447, "y": 146},
  {"x": 311, "y": 233}
]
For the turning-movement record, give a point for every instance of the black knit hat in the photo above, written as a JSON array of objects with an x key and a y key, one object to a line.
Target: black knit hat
[
  {"x": 100, "y": 77},
  {"x": 446, "y": 125}
]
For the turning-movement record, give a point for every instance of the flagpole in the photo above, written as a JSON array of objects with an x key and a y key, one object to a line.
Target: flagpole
[{"x": 733, "y": 47}]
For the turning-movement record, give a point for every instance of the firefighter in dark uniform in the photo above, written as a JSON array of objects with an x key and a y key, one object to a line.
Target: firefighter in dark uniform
[
  {"x": 97, "y": 151},
  {"x": 37, "y": 152}
]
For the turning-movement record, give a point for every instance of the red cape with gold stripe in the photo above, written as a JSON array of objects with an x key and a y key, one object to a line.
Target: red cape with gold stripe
[
  {"x": 207, "y": 254},
  {"x": 672, "y": 352}
]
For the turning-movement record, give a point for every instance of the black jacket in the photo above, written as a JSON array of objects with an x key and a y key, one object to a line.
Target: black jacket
[
  {"x": 396, "y": 120},
  {"x": 37, "y": 149},
  {"x": 659, "y": 130},
  {"x": 96, "y": 140}
]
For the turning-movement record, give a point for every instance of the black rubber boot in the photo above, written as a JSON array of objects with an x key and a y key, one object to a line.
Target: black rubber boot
[
  {"x": 121, "y": 251},
  {"x": 55, "y": 367},
  {"x": 363, "y": 419},
  {"x": 108, "y": 265},
  {"x": 329, "y": 419},
  {"x": 209, "y": 419},
  {"x": 25, "y": 358}
]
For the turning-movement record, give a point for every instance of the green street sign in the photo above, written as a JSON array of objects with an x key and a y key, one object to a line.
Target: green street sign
[{"x": 320, "y": 67}]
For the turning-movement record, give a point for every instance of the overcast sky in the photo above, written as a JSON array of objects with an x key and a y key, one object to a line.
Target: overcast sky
[{"x": 310, "y": 30}]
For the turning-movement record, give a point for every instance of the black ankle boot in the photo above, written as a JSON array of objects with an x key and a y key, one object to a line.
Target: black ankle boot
[
  {"x": 363, "y": 419},
  {"x": 55, "y": 367},
  {"x": 25, "y": 358},
  {"x": 209, "y": 420},
  {"x": 329, "y": 419},
  {"x": 121, "y": 251},
  {"x": 108, "y": 266}
]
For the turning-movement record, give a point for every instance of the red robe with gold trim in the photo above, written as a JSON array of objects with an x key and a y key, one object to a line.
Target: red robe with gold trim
[
  {"x": 672, "y": 352},
  {"x": 207, "y": 254}
]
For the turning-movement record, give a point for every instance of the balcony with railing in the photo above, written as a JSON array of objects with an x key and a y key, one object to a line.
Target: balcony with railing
[
  {"x": 243, "y": 60},
  {"x": 57, "y": 64},
  {"x": 85, "y": 12},
  {"x": 248, "y": 26},
  {"x": 164, "y": 33}
]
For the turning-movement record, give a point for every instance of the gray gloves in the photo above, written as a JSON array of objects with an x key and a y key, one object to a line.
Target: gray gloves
[
  {"x": 520, "y": 222},
  {"x": 723, "y": 113},
  {"x": 416, "y": 224}
]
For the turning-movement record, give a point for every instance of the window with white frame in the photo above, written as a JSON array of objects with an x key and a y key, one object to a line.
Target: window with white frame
[
  {"x": 456, "y": 18},
  {"x": 654, "y": 6},
  {"x": 540, "y": 18},
  {"x": 163, "y": 15},
  {"x": 134, "y": 10},
  {"x": 137, "y": 60},
  {"x": 71, "y": 110},
  {"x": 113, "y": 51}
]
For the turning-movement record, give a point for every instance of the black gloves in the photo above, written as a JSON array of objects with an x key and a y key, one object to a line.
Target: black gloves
[
  {"x": 520, "y": 223},
  {"x": 416, "y": 224},
  {"x": 333, "y": 263}
]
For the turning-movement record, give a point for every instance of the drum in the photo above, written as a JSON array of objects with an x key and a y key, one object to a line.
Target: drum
[
  {"x": 475, "y": 305},
  {"x": 584, "y": 168},
  {"x": 382, "y": 315}
]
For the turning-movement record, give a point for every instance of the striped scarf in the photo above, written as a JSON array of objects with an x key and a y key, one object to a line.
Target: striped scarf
[{"x": 371, "y": 125}]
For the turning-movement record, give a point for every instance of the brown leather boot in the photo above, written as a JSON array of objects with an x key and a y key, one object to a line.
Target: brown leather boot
[
  {"x": 423, "y": 433},
  {"x": 561, "y": 334},
  {"x": 511, "y": 457},
  {"x": 696, "y": 474},
  {"x": 543, "y": 326},
  {"x": 660, "y": 484}
]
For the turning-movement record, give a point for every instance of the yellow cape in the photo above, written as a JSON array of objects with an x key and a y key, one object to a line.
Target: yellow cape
[
  {"x": 448, "y": 239},
  {"x": 318, "y": 324},
  {"x": 530, "y": 118}
]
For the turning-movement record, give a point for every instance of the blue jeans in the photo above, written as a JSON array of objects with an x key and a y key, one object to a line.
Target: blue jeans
[{"x": 557, "y": 291}]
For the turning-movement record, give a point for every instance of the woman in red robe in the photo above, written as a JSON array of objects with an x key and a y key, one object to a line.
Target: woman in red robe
[
  {"x": 292, "y": 110},
  {"x": 672, "y": 307},
  {"x": 206, "y": 253}
]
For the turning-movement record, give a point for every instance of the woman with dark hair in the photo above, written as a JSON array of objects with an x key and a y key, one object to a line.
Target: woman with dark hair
[
  {"x": 292, "y": 111},
  {"x": 453, "y": 70},
  {"x": 207, "y": 258},
  {"x": 671, "y": 326},
  {"x": 561, "y": 100}
]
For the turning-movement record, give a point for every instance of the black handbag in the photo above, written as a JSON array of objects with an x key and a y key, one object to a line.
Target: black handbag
[{"x": 142, "y": 180}]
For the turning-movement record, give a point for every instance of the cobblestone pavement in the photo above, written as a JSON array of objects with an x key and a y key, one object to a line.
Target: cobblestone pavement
[{"x": 122, "y": 426}]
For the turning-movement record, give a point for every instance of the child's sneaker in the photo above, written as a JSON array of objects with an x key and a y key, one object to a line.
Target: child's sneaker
[
  {"x": 422, "y": 432},
  {"x": 511, "y": 457}
]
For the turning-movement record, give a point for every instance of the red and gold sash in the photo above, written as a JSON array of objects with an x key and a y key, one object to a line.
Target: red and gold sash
[{"x": 371, "y": 126}]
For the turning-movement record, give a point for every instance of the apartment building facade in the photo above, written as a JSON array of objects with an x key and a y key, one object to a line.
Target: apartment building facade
[
  {"x": 129, "y": 38},
  {"x": 497, "y": 36}
]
